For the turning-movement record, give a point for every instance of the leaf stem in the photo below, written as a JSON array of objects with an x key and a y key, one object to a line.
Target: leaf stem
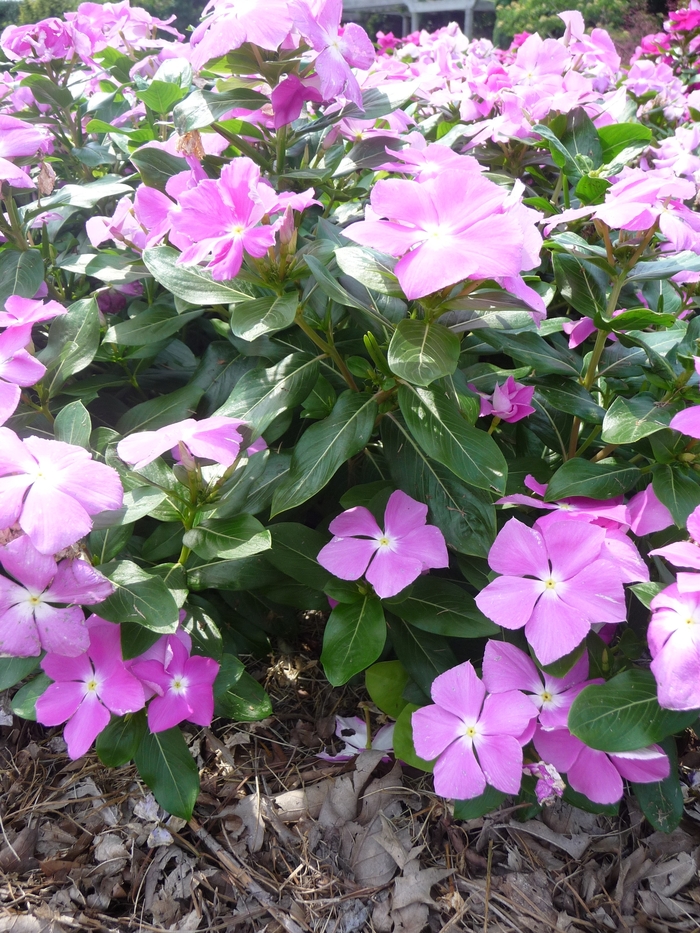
[{"x": 327, "y": 348}]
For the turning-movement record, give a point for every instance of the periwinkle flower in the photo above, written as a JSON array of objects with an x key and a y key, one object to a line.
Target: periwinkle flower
[
  {"x": 509, "y": 402},
  {"x": 390, "y": 558}
]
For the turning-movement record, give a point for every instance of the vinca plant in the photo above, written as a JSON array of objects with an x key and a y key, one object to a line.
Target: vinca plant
[{"x": 405, "y": 336}]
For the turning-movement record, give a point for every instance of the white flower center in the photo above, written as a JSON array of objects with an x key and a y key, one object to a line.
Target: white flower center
[
  {"x": 550, "y": 584},
  {"x": 91, "y": 685},
  {"x": 179, "y": 684}
]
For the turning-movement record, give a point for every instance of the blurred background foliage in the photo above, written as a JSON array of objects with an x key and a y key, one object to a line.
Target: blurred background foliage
[{"x": 626, "y": 20}]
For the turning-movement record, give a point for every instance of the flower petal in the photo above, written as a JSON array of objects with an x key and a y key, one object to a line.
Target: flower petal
[
  {"x": 457, "y": 772},
  {"x": 83, "y": 728},
  {"x": 506, "y": 667},
  {"x": 433, "y": 730},
  {"x": 357, "y": 521},
  {"x": 510, "y": 601},
  {"x": 459, "y": 691},
  {"x": 59, "y": 702},
  {"x": 403, "y": 514},
  {"x": 519, "y": 551},
  {"x": 501, "y": 758},
  {"x": 390, "y": 572},
  {"x": 347, "y": 558}
]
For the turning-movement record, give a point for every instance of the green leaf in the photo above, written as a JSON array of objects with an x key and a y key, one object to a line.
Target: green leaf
[
  {"x": 228, "y": 538},
  {"x": 421, "y": 352},
  {"x": 263, "y": 394},
  {"x": 591, "y": 189},
  {"x": 85, "y": 196},
  {"x": 676, "y": 487},
  {"x": 117, "y": 744},
  {"x": 423, "y": 654},
  {"x": 571, "y": 397},
  {"x": 12, "y": 670},
  {"x": 237, "y": 695},
  {"x": 330, "y": 286},
  {"x": 294, "y": 551},
  {"x": 24, "y": 701},
  {"x": 639, "y": 319},
  {"x": 45, "y": 91},
  {"x": 166, "y": 766},
  {"x": 581, "y": 283},
  {"x": 191, "y": 283},
  {"x": 73, "y": 341},
  {"x": 533, "y": 350},
  {"x": 385, "y": 682},
  {"x": 617, "y": 136},
  {"x": 162, "y": 410},
  {"x": 404, "y": 748},
  {"x": 160, "y": 96},
  {"x": 466, "y": 516},
  {"x": 662, "y": 801},
  {"x": 623, "y": 715},
  {"x": 73, "y": 425},
  {"x": 139, "y": 597},
  {"x": 630, "y": 419},
  {"x": 685, "y": 261},
  {"x": 324, "y": 447},
  {"x": 202, "y": 108},
  {"x": 149, "y": 327},
  {"x": 252, "y": 319},
  {"x": 443, "y": 608},
  {"x": 353, "y": 639},
  {"x": 645, "y": 592},
  {"x": 21, "y": 273},
  {"x": 249, "y": 573},
  {"x": 581, "y": 140},
  {"x": 603, "y": 480},
  {"x": 156, "y": 166},
  {"x": 372, "y": 269},
  {"x": 438, "y": 426},
  {"x": 472, "y": 809}
]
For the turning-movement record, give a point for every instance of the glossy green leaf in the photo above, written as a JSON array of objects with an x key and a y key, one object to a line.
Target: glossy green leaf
[
  {"x": 237, "y": 695},
  {"x": 603, "y": 480},
  {"x": 12, "y": 670},
  {"x": 162, "y": 410},
  {"x": 149, "y": 327},
  {"x": 446, "y": 436},
  {"x": 228, "y": 538},
  {"x": 581, "y": 283},
  {"x": 618, "y": 136},
  {"x": 372, "y": 269},
  {"x": 190, "y": 282},
  {"x": 166, "y": 766},
  {"x": 72, "y": 344},
  {"x": 630, "y": 419},
  {"x": 624, "y": 715},
  {"x": 295, "y": 550},
  {"x": 385, "y": 682},
  {"x": 491, "y": 799},
  {"x": 73, "y": 425},
  {"x": 677, "y": 488},
  {"x": 353, "y": 639},
  {"x": 140, "y": 597},
  {"x": 662, "y": 802},
  {"x": 118, "y": 743},
  {"x": 420, "y": 352},
  {"x": 437, "y": 606},
  {"x": 423, "y": 654},
  {"x": 21, "y": 273},
  {"x": 404, "y": 748},
  {"x": 160, "y": 96},
  {"x": 24, "y": 701},
  {"x": 202, "y": 108},
  {"x": 252, "y": 319}
]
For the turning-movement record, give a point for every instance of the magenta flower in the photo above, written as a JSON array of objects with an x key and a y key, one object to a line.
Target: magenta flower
[
  {"x": 338, "y": 48},
  {"x": 18, "y": 140},
  {"x": 29, "y": 622},
  {"x": 687, "y": 421},
  {"x": 289, "y": 97},
  {"x": 674, "y": 643},
  {"x": 217, "y": 438},
  {"x": 509, "y": 402},
  {"x": 554, "y": 584},
  {"x": 598, "y": 775},
  {"x": 429, "y": 161},
  {"x": 647, "y": 514},
  {"x": 221, "y": 218},
  {"x": 507, "y": 668},
  {"x": 608, "y": 512},
  {"x": 455, "y": 226},
  {"x": 17, "y": 368},
  {"x": 473, "y": 736},
  {"x": 395, "y": 556},
  {"x": 89, "y": 687},
  {"x": 19, "y": 311},
  {"x": 550, "y": 785},
  {"x": 353, "y": 731},
  {"x": 52, "y": 489},
  {"x": 265, "y": 23},
  {"x": 43, "y": 41},
  {"x": 183, "y": 684}
]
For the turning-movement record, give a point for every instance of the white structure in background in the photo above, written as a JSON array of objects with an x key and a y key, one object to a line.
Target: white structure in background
[{"x": 410, "y": 10}]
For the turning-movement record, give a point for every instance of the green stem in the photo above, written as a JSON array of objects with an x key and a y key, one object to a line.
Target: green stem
[
  {"x": 327, "y": 348},
  {"x": 244, "y": 147},
  {"x": 281, "y": 149},
  {"x": 494, "y": 424},
  {"x": 16, "y": 224},
  {"x": 595, "y": 431}
]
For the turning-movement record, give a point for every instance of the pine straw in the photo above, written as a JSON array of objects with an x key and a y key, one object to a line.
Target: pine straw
[{"x": 77, "y": 852}]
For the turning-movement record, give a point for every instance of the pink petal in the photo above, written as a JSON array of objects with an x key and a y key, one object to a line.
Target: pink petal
[
  {"x": 390, "y": 238},
  {"x": 347, "y": 558},
  {"x": 594, "y": 775},
  {"x": 510, "y": 601},
  {"x": 121, "y": 692},
  {"x": 687, "y": 421},
  {"x": 501, "y": 757},
  {"x": 676, "y": 668},
  {"x": 433, "y": 730},
  {"x": 407, "y": 201},
  {"x": 427, "y": 545},
  {"x": 22, "y": 561},
  {"x": 60, "y": 668},
  {"x": 572, "y": 545},
  {"x": 596, "y": 591},
  {"x": 52, "y": 519},
  {"x": 201, "y": 701},
  {"x": 506, "y": 713},
  {"x": 142, "y": 448},
  {"x": 518, "y": 551},
  {"x": 167, "y": 711},
  {"x": 12, "y": 492},
  {"x": 457, "y": 773},
  {"x": 357, "y": 521},
  {"x": 555, "y": 629},
  {"x": 558, "y": 747},
  {"x": 390, "y": 572},
  {"x": 97, "y": 487},
  {"x": 643, "y": 766},
  {"x": 59, "y": 702},
  {"x": 152, "y": 673},
  {"x": 460, "y": 692},
  {"x": 506, "y": 667},
  {"x": 18, "y": 633},
  {"x": 14, "y": 456},
  {"x": 9, "y": 400},
  {"x": 83, "y": 728},
  {"x": 647, "y": 514},
  {"x": 77, "y": 581},
  {"x": 403, "y": 514},
  {"x": 62, "y": 631},
  {"x": 680, "y": 554}
]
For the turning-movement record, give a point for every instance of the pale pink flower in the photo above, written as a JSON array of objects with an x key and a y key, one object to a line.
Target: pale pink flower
[
  {"x": 289, "y": 97},
  {"x": 391, "y": 558},
  {"x": 19, "y": 139},
  {"x": 42, "y": 42},
  {"x": 474, "y": 737},
  {"x": 265, "y": 23},
  {"x": 647, "y": 514},
  {"x": 353, "y": 731},
  {"x": 17, "y": 368},
  {"x": 674, "y": 642},
  {"x": 88, "y": 688},
  {"x": 19, "y": 311}
]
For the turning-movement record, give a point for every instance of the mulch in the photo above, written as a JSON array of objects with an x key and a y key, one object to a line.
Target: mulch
[{"x": 284, "y": 841}]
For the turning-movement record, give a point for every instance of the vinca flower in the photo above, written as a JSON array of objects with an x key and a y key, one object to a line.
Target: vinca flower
[
  {"x": 88, "y": 688},
  {"x": 17, "y": 368},
  {"x": 509, "y": 402},
  {"x": 20, "y": 311},
  {"x": 18, "y": 139},
  {"x": 554, "y": 585},
  {"x": 40, "y": 607},
  {"x": 550, "y": 785},
  {"x": 674, "y": 643},
  {"x": 353, "y": 731},
  {"x": 52, "y": 488},
  {"x": 474, "y": 737},
  {"x": 390, "y": 558},
  {"x": 183, "y": 684}
]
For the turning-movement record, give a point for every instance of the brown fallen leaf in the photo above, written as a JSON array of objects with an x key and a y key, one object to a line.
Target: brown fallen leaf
[{"x": 17, "y": 856}]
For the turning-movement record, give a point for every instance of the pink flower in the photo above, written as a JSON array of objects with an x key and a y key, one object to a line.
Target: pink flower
[
  {"x": 554, "y": 584},
  {"x": 43, "y": 41},
  {"x": 19, "y": 311},
  {"x": 608, "y": 511},
  {"x": 18, "y": 140},
  {"x": 456, "y": 226},
  {"x": 687, "y": 421},
  {"x": 89, "y": 687},
  {"x": 222, "y": 218},
  {"x": 265, "y": 23},
  {"x": 674, "y": 643},
  {"x": 338, "y": 49},
  {"x": 183, "y": 684},
  {"x": 598, "y": 775},
  {"x": 429, "y": 161},
  {"x": 52, "y": 489},
  {"x": 507, "y": 668},
  {"x": 216, "y": 438},
  {"x": 396, "y": 556},
  {"x": 353, "y": 731},
  {"x": 28, "y": 620},
  {"x": 122, "y": 227},
  {"x": 647, "y": 514},
  {"x": 17, "y": 368},
  {"x": 509, "y": 402},
  {"x": 550, "y": 785},
  {"x": 289, "y": 97},
  {"x": 473, "y": 736}
]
